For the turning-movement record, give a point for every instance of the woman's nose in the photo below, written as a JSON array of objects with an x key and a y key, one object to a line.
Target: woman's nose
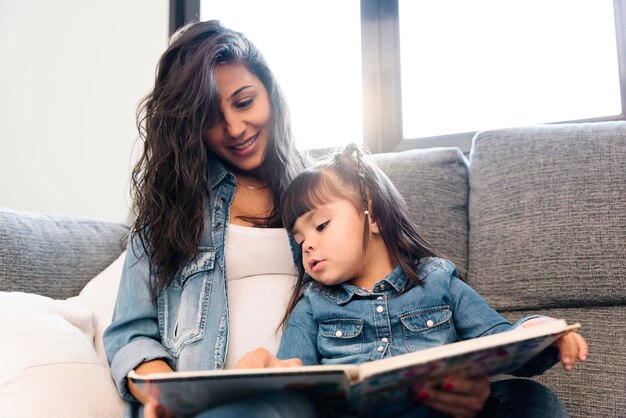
[{"x": 234, "y": 126}]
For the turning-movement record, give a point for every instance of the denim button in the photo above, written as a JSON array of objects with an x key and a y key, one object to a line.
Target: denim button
[
  {"x": 380, "y": 298},
  {"x": 380, "y": 348},
  {"x": 338, "y": 333},
  {"x": 430, "y": 323},
  {"x": 380, "y": 309},
  {"x": 384, "y": 339}
]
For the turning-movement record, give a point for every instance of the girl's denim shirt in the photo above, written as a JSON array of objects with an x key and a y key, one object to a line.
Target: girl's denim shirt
[
  {"x": 188, "y": 327},
  {"x": 349, "y": 324}
]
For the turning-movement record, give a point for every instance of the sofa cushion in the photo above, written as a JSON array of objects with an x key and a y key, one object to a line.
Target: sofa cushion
[
  {"x": 54, "y": 255},
  {"x": 547, "y": 213},
  {"x": 594, "y": 388},
  {"x": 100, "y": 295},
  {"x": 48, "y": 364},
  {"x": 434, "y": 183}
]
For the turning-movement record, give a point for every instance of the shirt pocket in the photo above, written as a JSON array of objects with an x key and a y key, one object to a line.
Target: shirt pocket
[
  {"x": 427, "y": 327},
  {"x": 340, "y": 338},
  {"x": 183, "y": 305}
]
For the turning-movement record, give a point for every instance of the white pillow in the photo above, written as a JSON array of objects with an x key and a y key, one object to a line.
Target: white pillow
[
  {"x": 99, "y": 295},
  {"x": 48, "y": 364}
]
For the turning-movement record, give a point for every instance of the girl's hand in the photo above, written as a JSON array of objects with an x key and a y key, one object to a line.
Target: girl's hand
[
  {"x": 262, "y": 359},
  {"x": 572, "y": 346},
  {"x": 458, "y": 396}
]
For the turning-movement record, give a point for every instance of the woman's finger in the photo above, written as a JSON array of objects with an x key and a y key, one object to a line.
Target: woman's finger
[
  {"x": 450, "y": 404},
  {"x": 148, "y": 411},
  {"x": 459, "y": 397}
]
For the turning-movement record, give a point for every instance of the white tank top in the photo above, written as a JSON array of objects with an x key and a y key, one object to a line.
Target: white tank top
[{"x": 261, "y": 275}]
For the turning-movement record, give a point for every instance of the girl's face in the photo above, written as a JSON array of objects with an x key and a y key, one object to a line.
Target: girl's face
[
  {"x": 241, "y": 138},
  {"x": 331, "y": 237}
]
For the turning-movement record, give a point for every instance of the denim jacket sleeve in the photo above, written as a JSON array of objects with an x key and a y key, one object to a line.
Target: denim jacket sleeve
[
  {"x": 133, "y": 337},
  {"x": 299, "y": 338},
  {"x": 474, "y": 308}
]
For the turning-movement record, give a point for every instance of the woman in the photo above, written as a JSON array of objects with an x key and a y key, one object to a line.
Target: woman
[{"x": 209, "y": 269}]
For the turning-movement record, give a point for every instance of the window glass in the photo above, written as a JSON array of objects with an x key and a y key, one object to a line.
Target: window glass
[
  {"x": 485, "y": 64},
  {"x": 314, "y": 50}
]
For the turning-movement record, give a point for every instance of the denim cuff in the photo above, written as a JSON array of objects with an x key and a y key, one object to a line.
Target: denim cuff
[
  {"x": 526, "y": 318},
  {"x": 131, "y": 356},
  {"x": 541, "y": 362}
]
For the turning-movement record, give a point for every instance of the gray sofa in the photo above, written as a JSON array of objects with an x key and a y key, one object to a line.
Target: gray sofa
[{"x": 536, "y": 217}]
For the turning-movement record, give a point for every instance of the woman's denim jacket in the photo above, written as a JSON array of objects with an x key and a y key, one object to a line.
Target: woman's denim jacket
[
  {"x": 188, "y": 327},
  {"x": 349, "y": 324}
]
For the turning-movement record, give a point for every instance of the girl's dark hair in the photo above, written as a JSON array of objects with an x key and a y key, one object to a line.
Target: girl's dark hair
[
  {"x": 171, "y": 181},
  {"x": 350, "y": 175}
]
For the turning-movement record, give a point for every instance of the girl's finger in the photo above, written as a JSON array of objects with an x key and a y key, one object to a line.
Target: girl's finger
[
  {"x": 583, "y": 347},
  {"x": 568, "y": 351}
]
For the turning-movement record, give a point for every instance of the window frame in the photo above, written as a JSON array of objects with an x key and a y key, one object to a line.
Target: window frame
[{"x": 381, "y": 74}]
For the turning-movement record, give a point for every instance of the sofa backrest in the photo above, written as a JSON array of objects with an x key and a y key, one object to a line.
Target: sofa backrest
[
  {"x": 54, "y": 256},
  {"x": 434, "y": 183},
  {"x": 547, "y": 213}
]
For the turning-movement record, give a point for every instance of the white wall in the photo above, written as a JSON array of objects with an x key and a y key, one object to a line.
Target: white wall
[{"x": 71, "y": 75}]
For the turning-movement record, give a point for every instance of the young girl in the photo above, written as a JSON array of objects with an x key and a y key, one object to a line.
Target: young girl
[{"x": 379, "y": 290}]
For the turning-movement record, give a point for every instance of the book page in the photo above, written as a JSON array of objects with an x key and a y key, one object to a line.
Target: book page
[
  {"x": 190, "y": 393},
  {"x": 552, "y": 328},
  {"x": 392, "y": 379}
]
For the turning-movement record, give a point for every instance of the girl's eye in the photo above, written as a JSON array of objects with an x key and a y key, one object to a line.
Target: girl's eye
[
  {"x": 244, "y": 104},
  {"x": 321, "y": 226}
]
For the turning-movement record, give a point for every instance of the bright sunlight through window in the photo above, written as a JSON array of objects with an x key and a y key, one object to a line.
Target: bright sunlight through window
[
  {"x": 314, "y": 50},
  {"x": 486, "y": 64}
]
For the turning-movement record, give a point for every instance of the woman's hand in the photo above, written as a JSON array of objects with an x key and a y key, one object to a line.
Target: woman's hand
[
  {"x": 262, "y": 359},
  {"x": 458, "y": 396},
  {"x": 153, "y": 410},
  {"x": 572, "y": 346}
]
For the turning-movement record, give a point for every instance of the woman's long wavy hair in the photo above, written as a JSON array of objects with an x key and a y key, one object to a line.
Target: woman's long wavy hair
[
  {"x": 349, "y": 175},
  {"x": 171, "y": 181}
]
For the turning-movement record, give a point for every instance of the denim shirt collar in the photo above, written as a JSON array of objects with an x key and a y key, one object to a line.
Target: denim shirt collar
[
  {"x": 391, "y": 285},
  {"x": 217, "y": 171},
  {"x": 217, "y": 174}
]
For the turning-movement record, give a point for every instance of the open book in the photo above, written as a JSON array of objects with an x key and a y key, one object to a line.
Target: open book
[{"x": 354, "y": 387}]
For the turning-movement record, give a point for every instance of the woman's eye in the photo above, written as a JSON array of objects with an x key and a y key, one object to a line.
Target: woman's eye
[
  {"x": 244, "y": 104},
  {"x": 321, "y": 226}
]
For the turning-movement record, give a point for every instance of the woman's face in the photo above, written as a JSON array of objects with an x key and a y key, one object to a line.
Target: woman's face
[{"x": 241, "y": 137}]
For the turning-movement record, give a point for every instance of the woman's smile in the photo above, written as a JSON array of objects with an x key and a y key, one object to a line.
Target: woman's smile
[
  {"x": 241, "y": 138},
  {"x": 246, "y": 148}
]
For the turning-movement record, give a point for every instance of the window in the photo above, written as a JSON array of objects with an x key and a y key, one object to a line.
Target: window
[
  {"x": 484, "y": 64},
  {"x": 401, "y": 74},
  {"x": 314, "y": 51}
]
